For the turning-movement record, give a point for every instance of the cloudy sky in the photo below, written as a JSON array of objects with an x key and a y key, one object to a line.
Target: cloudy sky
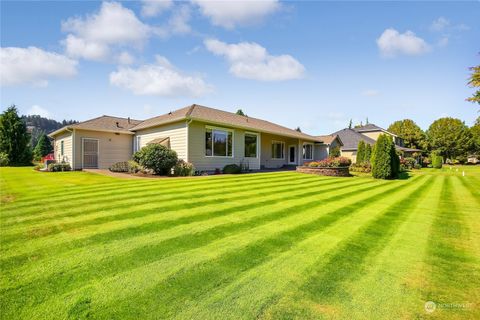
[{"x": 309, "y": 64}]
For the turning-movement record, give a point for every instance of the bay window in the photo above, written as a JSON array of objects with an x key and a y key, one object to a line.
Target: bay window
[
  {"x": 278, "y": 150},
  {"x": 251, "y": 145},
  {"x": 307, "y": 151},
  {"x": 218, "y": 143}
]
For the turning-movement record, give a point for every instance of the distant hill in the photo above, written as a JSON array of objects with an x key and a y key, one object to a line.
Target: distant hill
[{"x": 38, "y": 125}]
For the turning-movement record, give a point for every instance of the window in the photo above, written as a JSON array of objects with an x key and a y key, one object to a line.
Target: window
[
  {"x": 62, "y": 149},
  {"x": 250, "y": 145},
  {"x": 218, "y": 143},
  {"x": 138, "y": 142},
  {"x": 278, "y": 150},
  {"x": 307, "y": 151}
]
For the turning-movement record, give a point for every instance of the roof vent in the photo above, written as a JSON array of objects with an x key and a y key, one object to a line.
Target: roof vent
[{"x": 170, "y": 113}]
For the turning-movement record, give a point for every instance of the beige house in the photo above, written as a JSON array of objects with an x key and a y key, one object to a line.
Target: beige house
[
  {"x": 209, "y": 138},
  {"x": 369, "y": 133}
]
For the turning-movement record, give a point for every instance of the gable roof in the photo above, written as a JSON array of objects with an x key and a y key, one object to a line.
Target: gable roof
[
  {"x": 351, "y": 138},
  {"x": 103, "y": 123},
  {"x": 328, "y": 139},
  {"x": 372, "y": 127},
  {"x": 206, "y": 114}
]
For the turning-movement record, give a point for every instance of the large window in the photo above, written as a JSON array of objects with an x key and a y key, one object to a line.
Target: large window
[
  {"x": 308, "y": 151},
  {"x": 218, "y": 143},
  {"x": 278, "y": 150},
  {"x": 251, "y": 145}
]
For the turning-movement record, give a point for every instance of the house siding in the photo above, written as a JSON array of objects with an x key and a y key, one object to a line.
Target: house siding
[
  {"x": 352, "y": 155},
  {"x": 196, "y": 148},
  {"x": 177, "y": 132},
  {"x": 112, "y": 148},
  {"x": 67, "y": 139},
  {"x": 321, "y": 151}
]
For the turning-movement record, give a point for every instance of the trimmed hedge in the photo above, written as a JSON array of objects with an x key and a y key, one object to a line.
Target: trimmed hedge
[
  {"x": 329, "y": 163},
  {"x": 437, "y": 161},
  {"x": 58, "y": 167},
  {"x": 183, "y": 169},
  {"x": 360, "y": 152},
  {"x": 232, "y": 169},
  {"x": 126, "y": 166}
]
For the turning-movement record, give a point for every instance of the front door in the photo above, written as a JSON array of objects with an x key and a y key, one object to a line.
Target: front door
[
  {"x": 292, "y": 154},
  {"x": 90, "y": 153}
]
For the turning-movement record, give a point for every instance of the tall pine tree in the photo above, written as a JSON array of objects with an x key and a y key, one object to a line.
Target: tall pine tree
[
  {"x": 14, "y": 138},
  {"x": 43, "y": 147}
]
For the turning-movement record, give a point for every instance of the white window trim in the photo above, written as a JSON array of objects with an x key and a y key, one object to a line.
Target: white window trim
[
  {"x": 304, "y": 154},
  {"x": 258, "y": 144},
  {"x": 136, "y": 145},
  {"x": 283, "y": 155},
  {"x": 98, "y": 150},
  {"x": 219, "y": 129}
]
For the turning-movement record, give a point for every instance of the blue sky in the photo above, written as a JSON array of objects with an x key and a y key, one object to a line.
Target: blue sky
[{"x": 310, "y": 64}]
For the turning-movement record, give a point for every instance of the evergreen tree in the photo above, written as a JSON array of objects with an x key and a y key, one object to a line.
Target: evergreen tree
[
  {"x": 43, "y": 147},
  {"x": 385, "y": 161},
  {"x": 298, "y": 129},
  {"x": 368, "y": 152},
  {"x": 350, "y": 124},
  {"x": 361, "y": 152},
  {"x": 334, "y": 152},
  {"x": 14, "y": 138},
  {"x": 240, "y": 112}
]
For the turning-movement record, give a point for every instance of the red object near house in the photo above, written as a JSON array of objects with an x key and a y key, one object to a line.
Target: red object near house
[{"x": 49, "y": 156}]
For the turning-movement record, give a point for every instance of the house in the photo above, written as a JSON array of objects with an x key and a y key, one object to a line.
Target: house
[
  {"x": 369, "y": 133},
  {"x": 209, "y": 138}
]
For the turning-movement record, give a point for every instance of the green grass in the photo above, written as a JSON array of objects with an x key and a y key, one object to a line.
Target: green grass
[{"x": 270, "y": 246}]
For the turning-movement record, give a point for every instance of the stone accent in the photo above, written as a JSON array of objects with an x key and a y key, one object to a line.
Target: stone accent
[{"x": 333, "y": 172}]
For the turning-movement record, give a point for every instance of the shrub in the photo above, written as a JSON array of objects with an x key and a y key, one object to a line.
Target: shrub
[
  {"x": 361, "y": 167},
  {"x": 368, "y": 153},
  {"x": 385, "y": 160},
  {"x": 134, "y": 167},
  {"x": 330, "y": 163},
  {"x": 361, "y": 152},
  {"x": 437, "y": 161},
  {"x": 183, "y": 169},
  {"x": 3, "y": 159},
  {"x": 119, "y": 167},
  {"x": 334, "y": 152},
  {"x": 57, "y": 167},
  {"x": 232, "y": 169},
  {"x": 157, "y": 158}
]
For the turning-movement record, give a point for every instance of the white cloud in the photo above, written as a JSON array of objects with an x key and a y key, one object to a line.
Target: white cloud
[
  {"x": 440, "y": 24},
  {"x": 178, "y": 23},
  {"x": 33, "y": 66},
  {"x": 91, "y": 37},
  {"x": 249, "y": 60},
  {"x": 152, "y": 8},
  {"x": 392, "y": 43},
  {"x": 125, "y": 58},
  {"x": 37, "y": 110},
  {"x": 443, "y": 42},
  {"x": 229, "y": 14},
  {"x": 160, "y": 79},
  {"x": 370, "y": 93}
]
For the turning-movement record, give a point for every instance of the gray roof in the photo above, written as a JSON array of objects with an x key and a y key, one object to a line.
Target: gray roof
[
  {"x": 351, "y": 138},
  {"x": 369, "y": 127}
]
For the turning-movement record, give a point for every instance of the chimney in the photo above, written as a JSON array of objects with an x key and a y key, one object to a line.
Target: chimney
[
  {"x": 118, "y": 125},
  {"x": 128, "y": 120}
]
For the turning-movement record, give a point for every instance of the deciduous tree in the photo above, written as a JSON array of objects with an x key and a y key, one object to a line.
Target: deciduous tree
[
  {"x": 450, "y": 137},
  {"x": 412, "y": 135}
]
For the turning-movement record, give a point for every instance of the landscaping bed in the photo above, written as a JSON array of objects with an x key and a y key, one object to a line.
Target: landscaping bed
[{"x": 325, "y": 171}]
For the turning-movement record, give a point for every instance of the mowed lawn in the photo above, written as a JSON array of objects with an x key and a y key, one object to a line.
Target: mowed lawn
[{"x": 276, "y": 245}]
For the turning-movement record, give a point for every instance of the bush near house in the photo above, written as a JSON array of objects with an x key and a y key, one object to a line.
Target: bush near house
[
  {"x": 232, "y": 169},
  {"x": 157, "y": 158},
  {"x": 407, "y": 164},
  {"x": 58, "y": 167},
  {"x": 385, "y": 160},
  {"x": 334, "y": 152},
  {"x": 330, "y": 163},
  {"x": 361, "y": 167},
  {"x": 126, "y": 166},
  {"x": 360, "y": 152},
  {"x": 183, "y": 169}
]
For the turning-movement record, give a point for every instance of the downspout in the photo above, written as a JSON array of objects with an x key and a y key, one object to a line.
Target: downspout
[{"x": 189, "y": 120}]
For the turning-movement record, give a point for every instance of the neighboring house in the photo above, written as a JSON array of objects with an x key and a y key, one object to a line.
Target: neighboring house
[
  {"x": 369, "y": 134},
  {"x": 330, "y": 142},
  {"x": 209, "y": 138}
]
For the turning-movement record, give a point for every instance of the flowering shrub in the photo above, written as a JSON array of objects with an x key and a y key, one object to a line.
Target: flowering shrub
[
  {"x": 330, "y": 163},
  {"x": 126, "y": 166},
  {"x": 183, "y": 169},
  {"x": 364, "y": 167}
]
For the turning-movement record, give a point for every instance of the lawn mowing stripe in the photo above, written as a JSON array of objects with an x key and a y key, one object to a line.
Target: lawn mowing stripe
[
  {"x": 177, "y": 262},
  {"x": 212, "y": 299},
  {"x": 32, "y": 213},
  {"x": 62, "y": 281},
  {"x": 132, "y": 199},
  {"x": 56, "y": 240},
  {"x": 447, "y": 252},
  {"x": 211, "y": 223},
  {"x": 166, "y": 182},
  {"x": 224, "y": 270},
  {"x": 101, "y": 216},
  {"x": 391, "y": 288}
]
